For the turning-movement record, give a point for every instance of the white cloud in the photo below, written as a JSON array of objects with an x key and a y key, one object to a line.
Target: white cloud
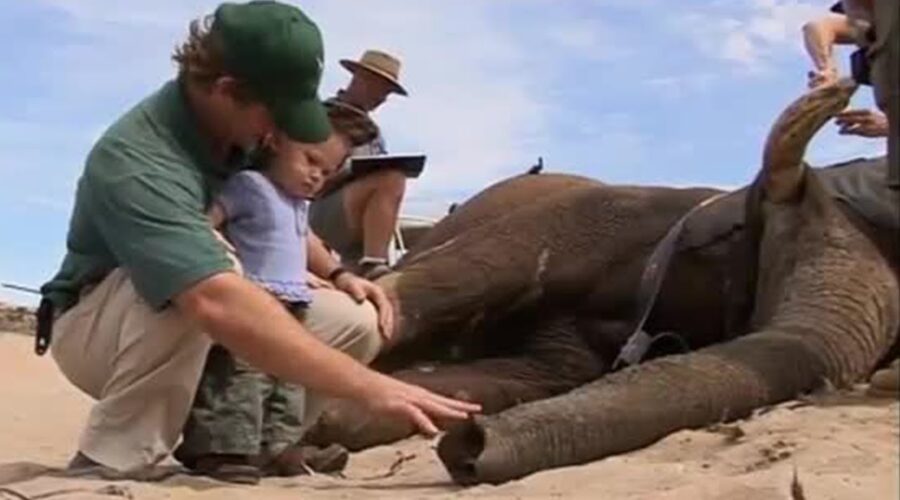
[
  {"x": 750, "y": 35},
  {"x": 472, "y": 106},
  {"x": 54, "y": 204},
  {"x": 590, "y": 39},
  {"x": 483, "y": 95},
  {"x": 678, "y": 86}
]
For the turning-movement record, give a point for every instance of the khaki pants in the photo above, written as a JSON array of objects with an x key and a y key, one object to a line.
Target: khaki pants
[{"x": 143, "y": 365}]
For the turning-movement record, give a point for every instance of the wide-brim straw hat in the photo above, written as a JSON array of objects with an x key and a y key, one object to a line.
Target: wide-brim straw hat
[{"x": 380, "y": 63}]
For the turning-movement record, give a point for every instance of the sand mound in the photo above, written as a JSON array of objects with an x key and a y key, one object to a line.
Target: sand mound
[{"x": 16, "y": 319}]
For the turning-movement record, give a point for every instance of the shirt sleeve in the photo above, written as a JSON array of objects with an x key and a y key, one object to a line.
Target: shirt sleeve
[
  {"x": 155, "y": 226},
  {"x": 238, "y": 193},
  {"x": 379, "y": 146}
]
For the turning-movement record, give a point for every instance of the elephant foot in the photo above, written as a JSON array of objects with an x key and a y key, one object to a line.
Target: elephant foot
[{"x": 885, "y": 383}]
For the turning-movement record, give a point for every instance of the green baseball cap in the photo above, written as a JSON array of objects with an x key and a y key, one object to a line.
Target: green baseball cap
[{"x": 277, "y": 51}]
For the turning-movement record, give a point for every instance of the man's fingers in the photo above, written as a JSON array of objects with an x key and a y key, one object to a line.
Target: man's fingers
[
  {"x": 851, "y": 113},
  {"x": 850, "y": 120},
  {"x": 320, "y": 284},
  {"x": 438, "y": 405},
  {"x": 458, "y": 405},
  {"x": 389, "y": 326},
  {"x": 356, "y": 291},
  {"x": 860, "y": 129},
  {"x": 420, "y": 419},
  {"x": 443, "y": 412},
  {"x": 385, "y": 326},
  {"x": 856, "y": 117},
  {"x": 385, "y": 311}
]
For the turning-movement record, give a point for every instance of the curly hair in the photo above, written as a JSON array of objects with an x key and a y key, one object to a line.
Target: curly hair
[{"x": 201, "y": 58}]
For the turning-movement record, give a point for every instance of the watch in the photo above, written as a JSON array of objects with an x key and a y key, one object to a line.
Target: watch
[{"x": 338, "y": 271}]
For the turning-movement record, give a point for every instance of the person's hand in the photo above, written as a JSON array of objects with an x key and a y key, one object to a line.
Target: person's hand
[
  {"x": 817, "y": 78},
  {"x": 362, "y": 289},
  {"x": 421, "y": 407},
  {"x": 862, "y": 122},
  {"x": 315, "y": 282}
]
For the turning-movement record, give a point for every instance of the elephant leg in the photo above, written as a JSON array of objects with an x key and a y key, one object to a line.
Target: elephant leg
[{"x": 555, "y": 359}]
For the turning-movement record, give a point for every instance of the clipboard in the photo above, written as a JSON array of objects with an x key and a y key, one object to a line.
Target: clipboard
[{"x": 411, "y": 164}]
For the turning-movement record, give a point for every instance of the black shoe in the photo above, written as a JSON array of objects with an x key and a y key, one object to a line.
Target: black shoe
[{"x": 237, "y": 469}]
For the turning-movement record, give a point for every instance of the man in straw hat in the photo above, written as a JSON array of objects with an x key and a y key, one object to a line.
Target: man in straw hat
[
  {"x": 146, "y": 287},
  {"x": 357, "y": 217}
]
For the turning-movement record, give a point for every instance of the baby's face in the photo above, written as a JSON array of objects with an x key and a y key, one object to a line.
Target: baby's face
[{"x": 301, "y": 169}]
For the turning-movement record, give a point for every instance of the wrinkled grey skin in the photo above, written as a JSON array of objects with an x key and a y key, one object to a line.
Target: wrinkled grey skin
[{"x": 536, "y": 282}]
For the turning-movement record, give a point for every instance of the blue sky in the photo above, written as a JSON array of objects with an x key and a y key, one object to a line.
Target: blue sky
[{"x": 628, "y": 91}]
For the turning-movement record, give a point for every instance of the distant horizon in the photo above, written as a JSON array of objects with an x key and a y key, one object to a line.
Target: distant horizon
[{"x": 637, "y": 92}]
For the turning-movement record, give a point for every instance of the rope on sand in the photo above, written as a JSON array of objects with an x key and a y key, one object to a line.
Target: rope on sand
[
  {"x": 110, "y": 490},
  {"x": 13, "y": 493}
]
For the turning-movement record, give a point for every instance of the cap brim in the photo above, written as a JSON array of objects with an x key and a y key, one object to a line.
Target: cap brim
[
  {"x": 302, "y": 120},
  {"x": 353, "y": 67}
]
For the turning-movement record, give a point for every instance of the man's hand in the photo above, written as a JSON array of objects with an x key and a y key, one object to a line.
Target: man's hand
[
  {"x": 818, "y": 78},
  {"x": 423, "y": 408},
  {"x": 862, "y": 122},
  {"x": 253, "y": 325},
  {"x": 315, "y": 282},
  {"x": 361, "y": 289}
]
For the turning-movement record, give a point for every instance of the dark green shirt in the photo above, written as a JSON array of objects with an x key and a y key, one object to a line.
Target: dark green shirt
[{"x": 141, "y": 205}]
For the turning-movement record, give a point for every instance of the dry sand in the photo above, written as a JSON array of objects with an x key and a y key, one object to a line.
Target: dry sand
[{"x": 842, "y": 446}]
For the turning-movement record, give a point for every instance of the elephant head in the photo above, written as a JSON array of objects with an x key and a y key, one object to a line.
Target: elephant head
[{"x": 826, "y": 308}]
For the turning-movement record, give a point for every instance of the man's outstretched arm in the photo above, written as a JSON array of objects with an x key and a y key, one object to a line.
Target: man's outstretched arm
[{"x": 253, "y": 325}]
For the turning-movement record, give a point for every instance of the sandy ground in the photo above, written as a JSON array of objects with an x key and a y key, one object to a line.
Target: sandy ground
[{"x": 841, "y": 445}]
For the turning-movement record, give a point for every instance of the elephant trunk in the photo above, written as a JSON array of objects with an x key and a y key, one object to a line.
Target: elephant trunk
[
  {"x": 836, "y": 334},
  {"x": 827, "y": 307},
  {"x": 786, "y": 144}
]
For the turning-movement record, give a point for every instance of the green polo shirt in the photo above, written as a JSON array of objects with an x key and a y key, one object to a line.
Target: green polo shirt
[{"x": 141, "y": 205}]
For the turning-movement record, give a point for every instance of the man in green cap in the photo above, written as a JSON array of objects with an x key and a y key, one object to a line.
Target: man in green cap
[{"x": 146, "y": 286}]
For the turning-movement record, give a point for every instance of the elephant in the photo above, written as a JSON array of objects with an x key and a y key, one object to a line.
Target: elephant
[{"x": 527, "y": 292}]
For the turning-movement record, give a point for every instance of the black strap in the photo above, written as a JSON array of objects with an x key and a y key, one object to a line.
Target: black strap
[
  {"x": 651, "y": 280},
  {"x": 44, "y": 331}
]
